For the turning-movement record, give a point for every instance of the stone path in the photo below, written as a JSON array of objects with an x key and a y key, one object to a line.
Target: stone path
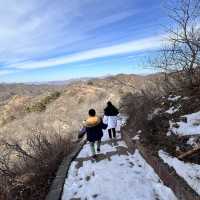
[{"x": 115, "y": 175}]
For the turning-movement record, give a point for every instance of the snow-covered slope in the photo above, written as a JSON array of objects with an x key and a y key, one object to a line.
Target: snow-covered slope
[
  {"x": 191, "y": 127},
  {"x": 189, "y": 171}
]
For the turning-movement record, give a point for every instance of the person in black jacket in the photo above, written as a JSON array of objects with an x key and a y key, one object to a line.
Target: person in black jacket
[
  {"x": 110, "y": 114},
  {"x": 94, "y": 129}
]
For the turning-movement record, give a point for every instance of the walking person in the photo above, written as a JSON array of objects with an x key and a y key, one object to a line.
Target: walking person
[
  {"x": 110, "y": 113},
  {"x": 93, "y": 127}
]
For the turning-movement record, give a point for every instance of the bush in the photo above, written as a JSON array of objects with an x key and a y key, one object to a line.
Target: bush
[
  {"x": 26, "y": 173},
  {"x": 138, "y": 106},
  {"x": 37, "y": 107},
  {"x": 41, "y": 106},
  {"x": 90, "y": 83},
  {"x": 50, "y": 98}
]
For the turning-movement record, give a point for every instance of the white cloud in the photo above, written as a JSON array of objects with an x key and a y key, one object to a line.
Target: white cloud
[
  {"x": 128, "y": 47},
  {"x": 6, "y": 72},
  {"x": 35, "y": 29},
  {"x": 41, "y": 34}
]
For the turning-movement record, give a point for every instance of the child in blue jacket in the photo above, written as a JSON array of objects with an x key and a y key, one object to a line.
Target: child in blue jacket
[{"x": 93, "y": 127}]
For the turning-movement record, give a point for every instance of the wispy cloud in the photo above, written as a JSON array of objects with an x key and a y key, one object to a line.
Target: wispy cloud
[
  {"x": 6, "y": 72},
  {"x": 27, "y": 32},
  {"x": 128, "y": 47},
  {"x": 41, "y": 34}
]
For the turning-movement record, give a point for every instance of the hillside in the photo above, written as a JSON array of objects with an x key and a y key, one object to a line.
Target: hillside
[
  {"x": 42, "y": 127},
  {"x": 65, "y": 113}
]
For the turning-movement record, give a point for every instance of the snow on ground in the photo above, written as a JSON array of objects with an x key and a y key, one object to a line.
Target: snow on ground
[
  {"x": 86, "y": 152},
  {"x": 150, "y": 116},
  {"x": 193, "y": 141},
  {"x": 122, "y": 178},
  {"x": 169, "y": 133},
  {"x": 173, "y": 98},
  {"x": 190, "y": 172},
  {"x": 118, "y": 176},
  {"x": 137, "y": 137},
  {"x": 191, "y": 127},
  {"x": 122, "y": 120},
  {"x": 172, "y": 110}
]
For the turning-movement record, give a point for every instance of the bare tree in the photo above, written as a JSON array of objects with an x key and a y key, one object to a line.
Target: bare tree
[{"x": 180, "y": 56}]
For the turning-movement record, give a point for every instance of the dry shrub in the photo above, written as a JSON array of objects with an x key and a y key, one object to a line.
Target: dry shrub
[
  {"x": 146, "y": 113},
  {"x": 90, "y": 83},
  {"x": 138, "y": 106},
  {"x": 179, "y": 83},
  {"x": 41, "y": 105},
  {"x": 27, "y": 171}
]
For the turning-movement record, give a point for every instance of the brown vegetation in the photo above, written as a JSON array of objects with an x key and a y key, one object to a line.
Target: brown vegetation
[
  {"x": 63, "y": 114},
  {"x": 27, "y": 172},
  {"x": 147, "y": 118},
  {"x": 41, "y": 105},
  {"x": 31, "y": 148}
]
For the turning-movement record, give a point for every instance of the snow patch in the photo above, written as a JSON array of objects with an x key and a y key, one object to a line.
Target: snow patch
[
  {"x": 189, "y": 171},
  {"x": 157, "y": 111},
  {"x": 193, "y": 141},
  {"x": 191, "y": 127},
  {"x": 137, "y": 137},
  {"x": 169, "y": 133},
  {"x": 185, "y": 98},
  {"x": 150, "y": 116},
  {"x": 174, "y": 98},
  {"x": 173, "y": 110}
]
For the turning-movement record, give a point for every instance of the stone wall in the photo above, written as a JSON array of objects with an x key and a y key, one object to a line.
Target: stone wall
[{"x": 56, "y": 189}]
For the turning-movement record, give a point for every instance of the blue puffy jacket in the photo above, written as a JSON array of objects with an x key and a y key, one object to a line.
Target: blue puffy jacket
[{"x": 94, "y": 128}]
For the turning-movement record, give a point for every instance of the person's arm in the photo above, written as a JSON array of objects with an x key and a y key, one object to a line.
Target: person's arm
[
  {"x": 82, "y": 132},
  {"x": 103, "y": 125},
  {"x": 105, "y": 119}
]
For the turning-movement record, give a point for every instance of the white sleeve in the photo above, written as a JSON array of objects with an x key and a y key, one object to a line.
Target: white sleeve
[{"x": 105, "y": 119}]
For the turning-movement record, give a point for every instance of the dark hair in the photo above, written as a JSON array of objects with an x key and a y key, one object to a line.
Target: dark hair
[
  {"x": 92, "y": 112},
  {"x": 109, "y": 103}
]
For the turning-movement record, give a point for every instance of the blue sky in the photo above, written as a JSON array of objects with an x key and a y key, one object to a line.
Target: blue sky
[{"x": 45, "y": 40}]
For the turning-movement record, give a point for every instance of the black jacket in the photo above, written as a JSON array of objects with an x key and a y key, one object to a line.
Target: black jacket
[
  {"x": 94, "y": 130},
  {"x": 111, "y": 111},
  {"x": 95, "y": 133}
]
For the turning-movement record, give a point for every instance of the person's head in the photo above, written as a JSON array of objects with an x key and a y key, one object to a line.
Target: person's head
[
  {"x": 109, "y": 103},
  {"x": 92, "y": 112}
]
